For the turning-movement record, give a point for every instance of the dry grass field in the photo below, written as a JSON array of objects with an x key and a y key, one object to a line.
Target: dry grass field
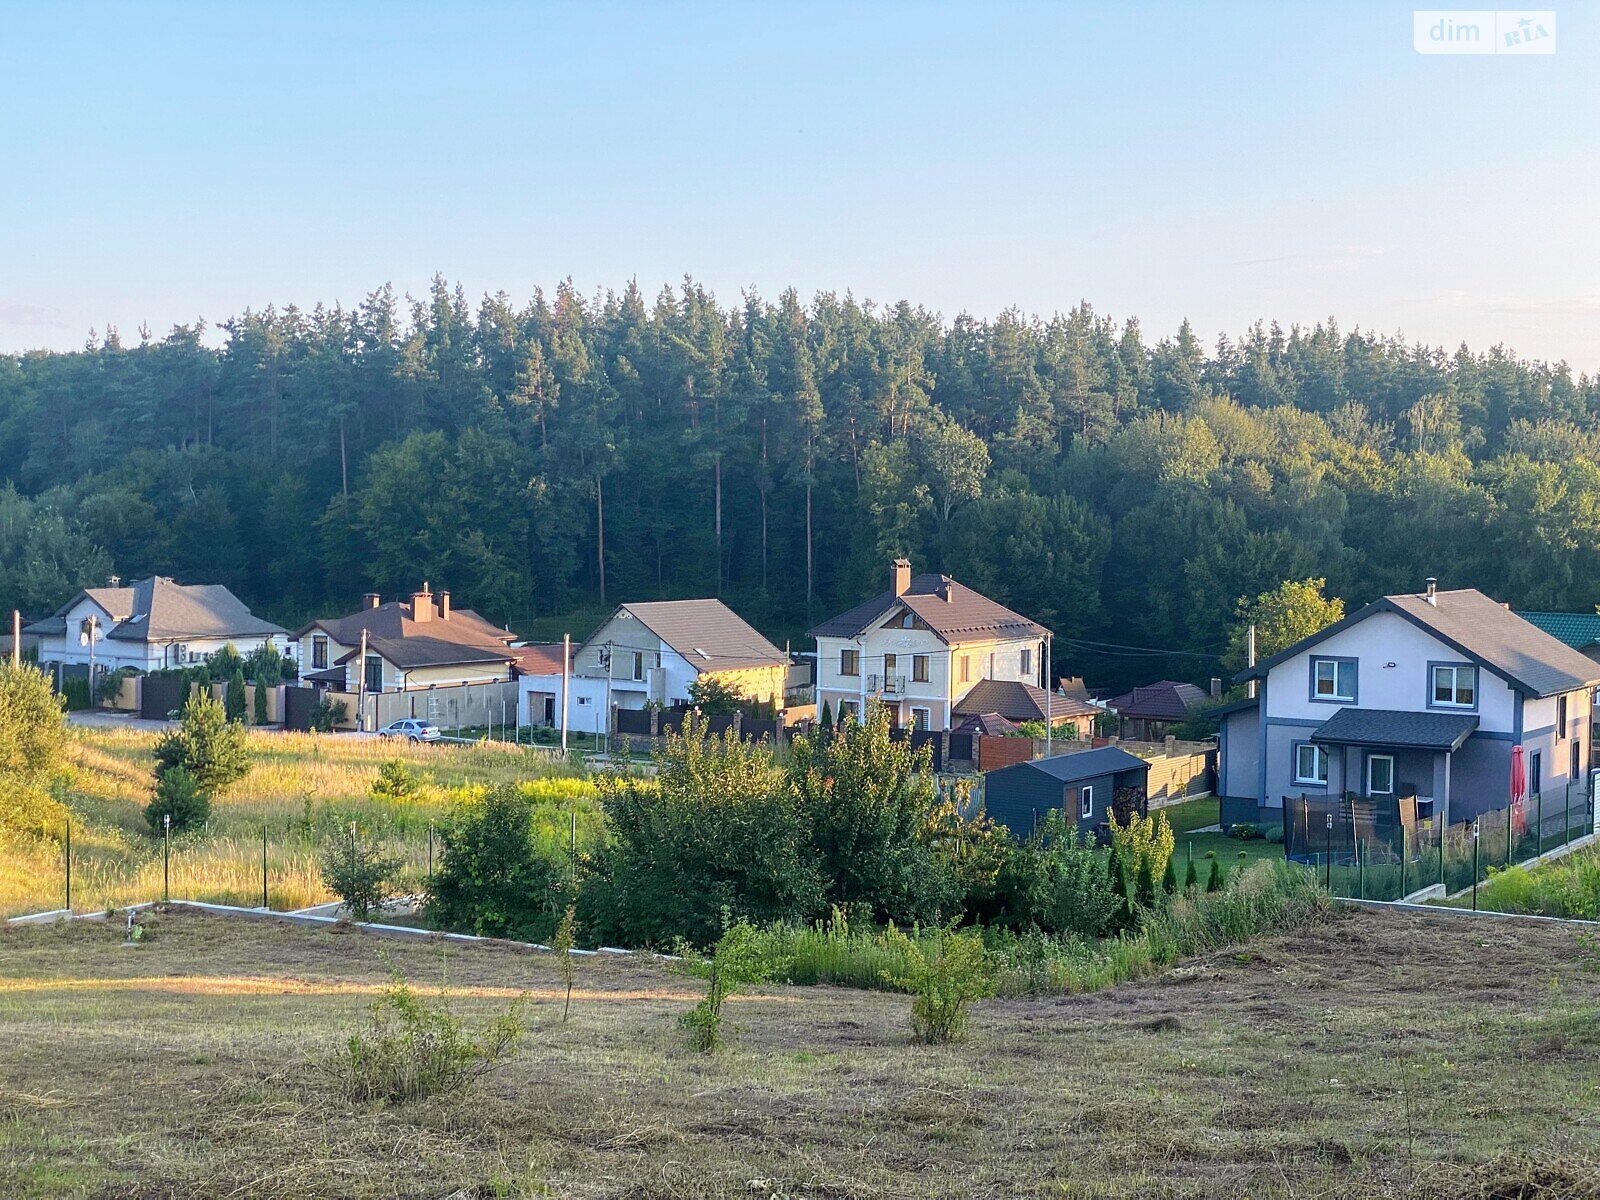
[{"x": 1380, "y": 1054}]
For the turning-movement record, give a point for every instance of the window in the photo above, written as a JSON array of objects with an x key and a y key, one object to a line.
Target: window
[
  {"x": 849, "y": 710},
  {"x": 1310, "y": 764},
  {"x": 374, "y": 673},
  {"x": 1561, "y": 716},
  {"x": 908, "y": 621},
  {"x": 919, "y": 668},
  {"x": 966, "y": 668},
  {"x": 1027, "y": 662},
  {"x": 319, "y": 653},
  {"x": 1577, "y": 760},
  {"x": 1380, "y": 775},
  {"x": 1535, "y": 773},
  {"x": 1333, "y": 679},
  {"x": 849, "y": 662},
  {"x": 919, "y": 718},
  {"x": 638, "y": 665},
  {"x": 1454, "y": 686},
  {"x": 1086, "y": 801}
]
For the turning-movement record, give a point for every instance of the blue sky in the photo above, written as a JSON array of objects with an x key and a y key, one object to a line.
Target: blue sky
[{"x": 1224, "y": 162}]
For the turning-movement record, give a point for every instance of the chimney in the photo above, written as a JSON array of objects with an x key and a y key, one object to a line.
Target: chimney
[
  {"x": 114, "y": 581},
  {"x": 422, "y": 605},
  {"x": 947, "y": 589},
  {"x": 444, "y": 606},
  {"x": 369, "y": 600},
  {"x": 900, "y": 576},
  {"x": 1431, "y": 595},
  {"x": 1216, "y": 688}
]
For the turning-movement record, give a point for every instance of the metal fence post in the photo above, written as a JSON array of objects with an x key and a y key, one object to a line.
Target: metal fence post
[
  {"x": 1540, "y": 842},
  {"x": 68, "y": 860},
  {"x": 1510, "y": 837},
  {"x": 166, "y": 858},
  {"x": 1476, "y": 841},
  {"x": 1403, "y": 892},
  {"x": 1327, "y": 851},
  {"x": 264, "y": 865}
]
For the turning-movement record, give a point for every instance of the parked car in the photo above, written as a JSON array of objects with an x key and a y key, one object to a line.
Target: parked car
[{"x": 412, "y": 730}]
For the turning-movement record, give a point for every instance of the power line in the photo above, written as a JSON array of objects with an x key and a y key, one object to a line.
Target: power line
[{"x": 1117, "y": 648}]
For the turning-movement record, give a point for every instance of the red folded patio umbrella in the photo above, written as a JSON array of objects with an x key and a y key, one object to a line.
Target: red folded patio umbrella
[{"x": 1519, "y": 789}]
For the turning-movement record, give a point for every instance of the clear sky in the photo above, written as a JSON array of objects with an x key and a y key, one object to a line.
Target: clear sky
[{"x": 1224, "y": 162}]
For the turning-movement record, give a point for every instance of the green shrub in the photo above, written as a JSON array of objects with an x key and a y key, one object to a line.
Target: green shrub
[
  {"x": 740, "y": 956},
  {"x": 1218, "y": 876},
  {"x": 178, "y": 796},
  {"x": 1245, "y": 831},
  {"x": 76, "y": 694},
  {"x": 109, "y": 684},
  {"x": 415, "y": 1049},
  {"x": 945, "y": 982},
  {"x": 563, "y": 943},
  {"x": 1266, "y": 897},
  {"x": 493, "y": 877},
  {"x": 357, "y": 873},
  {"x": 233, "y": 701},
  {"x": 1085, "y": 900},
  {"x": 395, "y": 781},
  {"x": 33, "y": 737},
  {"x": 206, "y": 744},
  {"x": 327, "y": 714},
  {"x": 259, "y": 716}
]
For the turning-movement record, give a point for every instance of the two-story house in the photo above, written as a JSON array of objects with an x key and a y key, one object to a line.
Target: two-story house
[
  {"x": 1422, "y": 695},
  {"x": 148, "y": 625},
  {"x": 920, "y": 647}
]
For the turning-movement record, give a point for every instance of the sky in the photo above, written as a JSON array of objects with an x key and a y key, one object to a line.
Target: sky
[{"x": 1224, "y": 163}]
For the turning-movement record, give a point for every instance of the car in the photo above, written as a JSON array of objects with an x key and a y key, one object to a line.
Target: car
[{"x": 411, "y": 729}]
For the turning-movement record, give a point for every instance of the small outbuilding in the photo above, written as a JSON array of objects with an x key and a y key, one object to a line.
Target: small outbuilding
[{"x": 1085, "y": 785}]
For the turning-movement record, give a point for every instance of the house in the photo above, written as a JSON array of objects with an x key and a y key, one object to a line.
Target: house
[
  {"x": 1148, "y": 713},
  {"x": 920, "y": 647},
  {"x": 1422, "y": 695},
  {"x": 1017, "y": 702},
  {"x": 1084, "y": 785},
  {"x": 651, "y": 654},
  {"x": 146, "y": 626},
  {"x": 412, "y": 645},
  {"x": 1581, "y": 631}
]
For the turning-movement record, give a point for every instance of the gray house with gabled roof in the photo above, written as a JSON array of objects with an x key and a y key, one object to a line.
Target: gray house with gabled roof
[{"x": 1423, "y": 695}]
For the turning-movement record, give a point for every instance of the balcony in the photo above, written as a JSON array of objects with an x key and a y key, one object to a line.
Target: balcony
[{"x": 886, "y": 685}]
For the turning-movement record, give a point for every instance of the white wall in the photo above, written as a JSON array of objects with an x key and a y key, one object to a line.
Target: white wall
[
  {"x": 113, "y": 653},
  {"x": 586, "y": 702}
]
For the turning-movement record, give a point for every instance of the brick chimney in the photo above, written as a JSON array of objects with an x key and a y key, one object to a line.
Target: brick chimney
[
  {"x": 444, "y": 606},
  {"x": 422, "y": 605},
  {"x": 900, "y": 576},
  {"x": 369, "y": 600}
]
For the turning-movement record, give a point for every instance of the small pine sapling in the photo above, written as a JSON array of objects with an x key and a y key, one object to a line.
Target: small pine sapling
[
  {"x": 1219, "y": 875},
  {"x": 566, "y": 935}
]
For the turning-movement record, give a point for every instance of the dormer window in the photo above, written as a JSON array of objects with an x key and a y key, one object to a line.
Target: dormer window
[
  {"x": 1333, "y": 680},
  {"x": 908, "y": 620}
]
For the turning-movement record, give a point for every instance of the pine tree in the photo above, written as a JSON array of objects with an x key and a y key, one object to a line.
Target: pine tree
[
  {"x": 1191, "y": 878},
  {"x": 1169, "y": 879},
  {"x": 260, "y": 715},
  {"x": 1219, "y": 875},
  {"x": 827, "y": 715},
  {"x": 233, "y": 699},
  {"x": 1145, "y": 889}
]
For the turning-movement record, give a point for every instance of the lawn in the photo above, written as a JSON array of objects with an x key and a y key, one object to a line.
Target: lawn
[
  {"x": 1378, "y": 1054},
  {"x": 1198, "y": 814},
  {"x": 301, "y": 787}
]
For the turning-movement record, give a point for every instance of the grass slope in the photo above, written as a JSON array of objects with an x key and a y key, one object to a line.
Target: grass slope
[{"x": 1379, "y": 1054}]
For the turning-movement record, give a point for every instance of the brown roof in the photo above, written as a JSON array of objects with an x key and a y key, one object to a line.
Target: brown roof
[
  {"x": 541, "y": 659},
  {"x": 393, "y": 631},
  {"x": 951, "y": 609},
  {"x": 708, "y": 634},
  {"x": 1018, "y": 701},
  {"x": 992, "y": 724},
  {"x": 1166, "y": 700}
]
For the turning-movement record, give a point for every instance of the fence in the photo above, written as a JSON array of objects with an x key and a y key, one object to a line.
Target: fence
[{"x": 1379, "y": 848}]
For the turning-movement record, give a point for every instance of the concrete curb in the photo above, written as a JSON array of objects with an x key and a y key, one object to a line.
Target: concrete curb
[{"x": 1438, "y": 909}]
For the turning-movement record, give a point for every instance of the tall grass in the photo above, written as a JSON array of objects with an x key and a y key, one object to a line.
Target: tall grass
[{"x": 1563, "y": 887}]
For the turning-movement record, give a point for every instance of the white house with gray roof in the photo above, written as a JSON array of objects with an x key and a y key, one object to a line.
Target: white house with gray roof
[
  {"x": 149, "y": 625},
  {"x": 1423, "y": 695}
]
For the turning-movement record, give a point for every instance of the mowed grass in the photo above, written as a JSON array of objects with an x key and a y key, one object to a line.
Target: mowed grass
[
  {"x": 301, "y": 787},
  {"x": 1379, "y": 1054},
  {"x": 1231, "y": 852}
]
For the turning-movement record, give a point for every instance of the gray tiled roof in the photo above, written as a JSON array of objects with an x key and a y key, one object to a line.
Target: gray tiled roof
[
  {"x": 1086, "y": 764},
  {"x": 158, "y": 609},
  {"x": 1165, "y": 700},
  {"x": 952, "y": 610},
  {"x": 1017, "y": 701},
  {"x": 1479, "y": 628},
  {"x": 707, "y": 633},
  {"x": 1387, "y": 727}
]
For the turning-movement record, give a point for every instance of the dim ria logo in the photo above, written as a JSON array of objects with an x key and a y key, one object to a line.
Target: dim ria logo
[{"x": 1483, "y": 31}]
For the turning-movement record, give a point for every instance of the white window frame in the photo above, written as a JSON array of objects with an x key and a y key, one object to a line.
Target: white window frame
[
  {"x": 1455, "y": 670},
  {"x": 638, "y": 666},
  {"x": 922, "y": 715},
  {"x": 1321, "y": 758},
  {"x": 1372, "y": 789},
  {"x": 1086, "y": 801},
  {"x": 1027, "y": 662},
  {"x": 1334, "y": 664}
]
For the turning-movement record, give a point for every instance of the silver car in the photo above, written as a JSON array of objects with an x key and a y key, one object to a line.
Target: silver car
[{"x": 411, "y": 729}]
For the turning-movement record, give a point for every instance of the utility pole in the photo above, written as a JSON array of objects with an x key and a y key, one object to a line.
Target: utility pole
[
  {"x": 1049, "y": 698},
  {"x": 16, "y": 639},
  {"x": 1250, "y": 655},
  {"x": 361, "y": 686},
  {"x": 566, "y": 677}
]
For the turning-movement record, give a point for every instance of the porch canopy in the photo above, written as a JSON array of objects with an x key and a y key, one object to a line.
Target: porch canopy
[{"x": 1389, "y": 728}]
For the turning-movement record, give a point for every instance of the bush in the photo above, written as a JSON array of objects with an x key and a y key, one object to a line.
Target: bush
[
  {"x": 259, "y": 716},
  {"x": 416, "y": 1049},
  {"x": 233, "y": 697},
  {"x": 206, "y": 744},
  {"x": 179, "y": 797},
  {"x": 740, "y": 956},
  {"x": 395, "y": 781},
  {"x": 493, "y": 877},
  {"x": 358, "y": 874},
  {"x": 1266, "y": 897},
  {"x": 109, "y": 684},
  {"x": 1084, "y": 901},
  {"x": 1244, "y": 831},
  {"x": 1143, "y": 843},
  {"x": 327, "y": 714},
  {"x": 945, "y": 981},
  {"x": 75, "y": 692},
  {"x": 33, "y": 735}
]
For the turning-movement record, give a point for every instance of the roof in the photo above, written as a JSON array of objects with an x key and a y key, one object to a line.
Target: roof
[
  {"x": 1473, "y": 625},
  {"x": 707, "y": 634},
  {"x": 330, "y": 675},
  {"x": 1165, "y": 700},
  {"x": 1017, "y": 701},
  {"x": 992, "y": 724},
  {"x": 394, "y": 632},
  {"x": 951, "y": 610},
  {"x": 1238, "y": 706},
  {"x": 1086, "y": 764},
  {"x": 160, "y": 609},
  {"x": 1386, "y": 727},
  {"x": 1578, "y": 630},
  {"x": 543, "y": 658}
]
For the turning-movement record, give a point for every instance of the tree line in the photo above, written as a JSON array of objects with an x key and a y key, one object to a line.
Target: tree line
[{"x": 578, "y": 451}]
